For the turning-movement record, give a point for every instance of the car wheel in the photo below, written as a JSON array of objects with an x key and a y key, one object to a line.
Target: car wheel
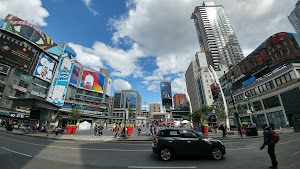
[
  {"x": 165, "y": 154},
  {"x": 216, "y": 153}
]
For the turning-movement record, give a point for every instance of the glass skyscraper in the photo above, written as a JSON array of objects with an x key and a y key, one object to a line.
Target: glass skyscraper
[
  {"x": 216, "y": 36},
  {"x": 294, "y": 17}
]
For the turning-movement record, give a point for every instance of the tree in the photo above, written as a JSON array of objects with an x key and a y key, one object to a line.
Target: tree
[
  {"x": 199, "y": 115},
  {"x": 221, "y": 115},
  {"x": 130, "y": 112},
  {"x": 75, "y": 114}
]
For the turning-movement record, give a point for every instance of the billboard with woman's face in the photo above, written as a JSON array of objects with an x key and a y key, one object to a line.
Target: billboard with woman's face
[{"x": 92, "y": 80}]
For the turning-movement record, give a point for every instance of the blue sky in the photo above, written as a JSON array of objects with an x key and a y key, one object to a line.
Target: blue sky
[{"x": 142, "y": 42}]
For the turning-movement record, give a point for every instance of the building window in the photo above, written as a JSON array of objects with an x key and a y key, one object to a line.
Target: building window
[
  {"x": 20, "y": 94},
  {"x": 285, "y": 78},
  {"x": 257, "y": 105},
  {"x": 271, "y": 102},
  {"x": 3, "y": 77}
]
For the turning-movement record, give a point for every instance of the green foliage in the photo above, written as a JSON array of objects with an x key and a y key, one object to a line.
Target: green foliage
[
  {"x": 75, "y": 114},
  {"x": 220, "y": 113},
  {"x": 199, "y": 115},
  {"x": 130, "y": 112}
]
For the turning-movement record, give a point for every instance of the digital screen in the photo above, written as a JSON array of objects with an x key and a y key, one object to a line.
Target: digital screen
[
  {"x": 92, "y": 80},
  {"x": 16, "y": 53},
  {"x": 44, "y": 68},
  {"x": 75, "y": 75}
]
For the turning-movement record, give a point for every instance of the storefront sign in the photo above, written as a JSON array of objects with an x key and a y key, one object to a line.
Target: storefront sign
[
  {"x": 22, "y": 110},
  {"x": 21, "y": 89},
  {"x": 4, "y": 113},
  {"x": 37, "y": 94},
  {"x": 91, "y": 112},
  {"x": 94, "y": 106},
  {"x": 273, "y": 72},
  {"x": 238, "y": 78},
  {"x": 4, "y": 69}
]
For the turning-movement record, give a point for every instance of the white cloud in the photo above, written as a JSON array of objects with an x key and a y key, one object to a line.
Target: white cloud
[
  {"x": 165, "y": 30},
  {"x": 178, "y": 84},
  {"x": 31, "y": 11},
  {"x": 120, "y": 84},
  {"x": 122, "y": 62},
  {"x": 88, "y": 4}
]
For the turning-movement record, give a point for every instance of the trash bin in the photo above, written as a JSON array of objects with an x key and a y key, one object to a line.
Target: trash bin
[
  {"x": 9, "y": 127},
  {"x": 251, "y": 131}
]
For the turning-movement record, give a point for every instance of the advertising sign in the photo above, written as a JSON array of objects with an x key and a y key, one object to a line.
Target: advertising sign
[
  {"x": 92, "y": 80},
  {"x": 44, "y": 68},
  {"x": 108, "y": 86},
  {"x": 60, "y": 83},
  {"x": 75, "y": 75},
  {"x": 165, "y": 88},
  {"x": 16, "y": 54},
  {"x": 4, "y": 69},
  {"x": 32, "y": 33}
]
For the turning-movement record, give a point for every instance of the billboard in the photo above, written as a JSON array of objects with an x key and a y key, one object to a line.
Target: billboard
[
  {"x": 108, "y": 86},
  {"x": 92, "y": 80},
  {"x": 32, "y": 33},
  {"x": 16, "y": 54},
  {"x": 44, "y": 68},
  {"x": 165, "y": 88},
  {"x": 75, "y": 75},
  {"x": 59, "y": 86}
]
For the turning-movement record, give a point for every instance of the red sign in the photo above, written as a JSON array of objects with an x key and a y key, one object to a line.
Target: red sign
[{"x": 94, "y": 106}]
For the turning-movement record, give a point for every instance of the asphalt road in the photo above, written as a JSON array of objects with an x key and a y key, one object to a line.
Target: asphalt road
[{"x": 25, "y": 152}]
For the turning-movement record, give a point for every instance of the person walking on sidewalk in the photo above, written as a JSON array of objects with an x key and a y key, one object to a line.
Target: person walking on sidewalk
[
  {"x": 151, "y": 130},
  {"x": 116, "y": 130},
  {"x": 240, "y": 131},
  {"x": 223, "y": 130},
  {"x": 100, "y": 130},
  {"x": 270, "y": 143},
  {"x": 95, "y": 130}
]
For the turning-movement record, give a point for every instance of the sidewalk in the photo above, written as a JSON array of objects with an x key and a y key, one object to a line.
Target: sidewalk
[{"x": 108, "y": 136}]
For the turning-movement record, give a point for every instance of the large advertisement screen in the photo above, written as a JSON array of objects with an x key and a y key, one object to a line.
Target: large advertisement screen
[
  {"x": 16, "y": 54},
  {"x": 32, "y": 33},
  {"x": 165, "y": 88},
  {"x": 75, "y": 75},
  {"x": 60, "y": 82},
  {"x": 92, "y": 80},
  {"x": 44, "y": 68}
]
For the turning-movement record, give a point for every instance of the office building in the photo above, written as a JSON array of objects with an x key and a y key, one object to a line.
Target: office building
[
  {"x": 127, "y": 101},
  {"x": 294, "y": 17},
  {"x": 216, "y": 36},
  {"x": 154, "y": 107}
]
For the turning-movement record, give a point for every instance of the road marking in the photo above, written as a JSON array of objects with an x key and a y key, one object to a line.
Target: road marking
[
  {"x": 158, "y": 167},
  {"x": 64, "y": 141},
  {"x": 126, "y": 150},
  {"x": 16, "y": 152},
  {"x": 296, "y": 152}
]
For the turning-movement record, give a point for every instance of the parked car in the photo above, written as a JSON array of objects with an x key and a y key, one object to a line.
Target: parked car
[{"x": 171, "y": 141}]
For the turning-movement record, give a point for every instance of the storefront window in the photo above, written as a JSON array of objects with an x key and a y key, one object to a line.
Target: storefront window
[
  {"x": 257, "y": 105},
  {"x": 271, "y": 102},
  {"x": 277, "y": 119},
  {"x": 259, "y": 120}
]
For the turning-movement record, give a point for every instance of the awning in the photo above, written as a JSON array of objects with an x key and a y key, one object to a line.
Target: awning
[{"x": 34, "y": 103}]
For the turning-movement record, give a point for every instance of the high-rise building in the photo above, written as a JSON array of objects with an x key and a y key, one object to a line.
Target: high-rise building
[
  {"x": 178, "y": 99},
  {"x": 294, "y": 17},
  {"x": 216, "y": 36},
  {"x": 127, "y": 100},
  {"x": 154, "y": 107},
  {"x": 166, "y": 94},
  {"x": 191, "y": 85}
]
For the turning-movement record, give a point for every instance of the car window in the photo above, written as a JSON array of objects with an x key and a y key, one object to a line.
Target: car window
[
  {"x": 173, "y": 133},
  {"x": 188, "y": 134}
]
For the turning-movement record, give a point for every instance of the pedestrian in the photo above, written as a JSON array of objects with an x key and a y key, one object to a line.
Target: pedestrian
[
  {"x": 139, "y": 130},
  {"x": 95, "y": 130},
  {"x": 116, "y": 130},
  {"x": 151, "y": 130},
  {"x": 240, "y": 131},
  {"x": 100, "y": 129},
  {"x": 154, "y": 130},
  {"x": 57, "y": 129},
  {"x": 270, "y": 141},
  {"x": 223, "y": 130}
]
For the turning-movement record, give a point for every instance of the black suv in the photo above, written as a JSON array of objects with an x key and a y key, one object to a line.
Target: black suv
[{"x": 170, "y": 142}]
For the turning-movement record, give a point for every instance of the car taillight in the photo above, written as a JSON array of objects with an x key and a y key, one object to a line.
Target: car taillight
[{"x": 155, "y": 140}]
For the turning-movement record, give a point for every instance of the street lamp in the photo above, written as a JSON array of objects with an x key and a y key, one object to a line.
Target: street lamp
[
  {"x": 126, "y": 112},
  {"x": 250, "y": 111}
]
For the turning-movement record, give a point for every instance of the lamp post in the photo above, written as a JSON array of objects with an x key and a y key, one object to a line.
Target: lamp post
[
  {"x": 126, "y": 112},
  {"x": 250, "y": 111}
]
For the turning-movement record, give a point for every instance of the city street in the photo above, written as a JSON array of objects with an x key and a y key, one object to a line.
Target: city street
[{"x": 20, "y": 152}]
